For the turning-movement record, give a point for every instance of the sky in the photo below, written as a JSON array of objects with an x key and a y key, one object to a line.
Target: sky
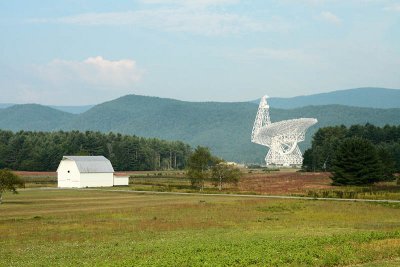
[{"x": 71, "y": 52}]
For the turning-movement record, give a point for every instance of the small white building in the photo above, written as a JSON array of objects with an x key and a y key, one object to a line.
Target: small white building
[
  {"x": 121, "y": 180},
  {"x": 87, "y": 171}
]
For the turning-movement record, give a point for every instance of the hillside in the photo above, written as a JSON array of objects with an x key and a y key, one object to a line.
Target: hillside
[
  {"x": 32, "y": 117},
  {"x": 371, "y": 97},
  {"x": 217, "y": 125},
  {"x": 224, "y": 127}
]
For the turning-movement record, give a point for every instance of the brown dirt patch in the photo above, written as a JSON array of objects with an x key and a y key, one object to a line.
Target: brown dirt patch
[{"x": 285, "y": 182}]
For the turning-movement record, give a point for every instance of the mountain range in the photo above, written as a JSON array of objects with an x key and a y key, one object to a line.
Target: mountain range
[
  {"x": 224, "y": 127},
  {"x": 368, "y": 97}
]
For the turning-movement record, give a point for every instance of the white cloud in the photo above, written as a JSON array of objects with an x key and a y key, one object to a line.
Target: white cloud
[
  {"x": 394, "y": 8},
  {"x": 197, "y": 3},
  {"x": 182, "y": 19},
  {"x": 94, "y": 71},
  {"x": 308, "y": 2},
  {"x": 66, "y": 82},
  {"x": 330, "y": 17},
  {"x": 334, "y": 2},
  {"x": 278, "y": 54}
]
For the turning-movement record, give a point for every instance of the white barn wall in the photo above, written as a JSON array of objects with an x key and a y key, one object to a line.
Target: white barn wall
[
  {"x": 121, "y": 180},
  {"x": 71, "y": 178},
  {"x": 97, "y": 179}
]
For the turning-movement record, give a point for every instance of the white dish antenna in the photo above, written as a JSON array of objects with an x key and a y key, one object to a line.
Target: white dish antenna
[{"x": 281, "y": 137}]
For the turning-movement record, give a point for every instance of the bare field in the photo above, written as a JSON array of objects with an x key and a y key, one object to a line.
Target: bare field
[
  {"x": 278, "y": 182},
  {"x": 288, "y": 182},
  {"x": 283, "y": 182}
]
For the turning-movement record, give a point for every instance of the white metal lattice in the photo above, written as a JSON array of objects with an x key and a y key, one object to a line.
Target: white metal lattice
[{"x": 281, "y": 137}]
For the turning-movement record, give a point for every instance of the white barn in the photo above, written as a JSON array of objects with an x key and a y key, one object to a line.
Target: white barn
[{"x": 87, "y": 171}]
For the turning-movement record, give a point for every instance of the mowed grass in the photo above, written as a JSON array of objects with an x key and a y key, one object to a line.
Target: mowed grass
[{"x": 101, "y": 228}]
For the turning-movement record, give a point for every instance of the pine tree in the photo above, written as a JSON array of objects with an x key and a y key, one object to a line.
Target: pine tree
[
  {"x": 388, "y": 162},
  {"x": 356, "y": 163}
]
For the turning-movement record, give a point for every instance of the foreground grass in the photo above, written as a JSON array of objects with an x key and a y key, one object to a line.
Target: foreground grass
[{"x": 98, "y": 228}]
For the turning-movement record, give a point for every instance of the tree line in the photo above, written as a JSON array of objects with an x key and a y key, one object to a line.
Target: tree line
[
  {"x": 359, "y": 154},
  {"x": 42, "y": 151}
]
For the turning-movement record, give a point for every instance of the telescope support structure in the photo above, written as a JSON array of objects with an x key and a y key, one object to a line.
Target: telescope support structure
[{"x": 281, "y": 137}]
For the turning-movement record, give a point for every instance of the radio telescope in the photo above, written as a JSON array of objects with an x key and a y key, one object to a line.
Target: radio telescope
[{"x": 281, "y": 137}]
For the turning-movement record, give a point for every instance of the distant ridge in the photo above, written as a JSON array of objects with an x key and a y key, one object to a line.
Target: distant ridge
[
  {"x": 224, "y": 127},
  {"x": 370, "y": 97},
  {"x": 73, "y": 109},
  {"x": 6, "y": 105},
  {"x": 32, "y": 117},
  {"x": 69, "y": 109}
]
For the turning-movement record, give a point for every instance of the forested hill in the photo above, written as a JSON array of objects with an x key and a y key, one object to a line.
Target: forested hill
[
  {"x": 33, "y": 117},
  {"x": 370, "y": 97},
  {"x": 224, "y": 127}
]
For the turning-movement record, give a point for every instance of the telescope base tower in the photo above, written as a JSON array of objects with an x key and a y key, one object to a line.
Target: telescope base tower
[{"x": 275, "y": 157}]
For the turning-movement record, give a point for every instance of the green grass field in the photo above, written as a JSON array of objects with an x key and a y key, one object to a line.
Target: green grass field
[{"x": 101, "y": 228}]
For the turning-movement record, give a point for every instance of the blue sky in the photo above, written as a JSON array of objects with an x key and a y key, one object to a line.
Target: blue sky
[{"x": 85, "y": 52}]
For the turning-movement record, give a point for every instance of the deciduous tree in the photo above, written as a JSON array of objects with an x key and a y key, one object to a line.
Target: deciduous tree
[
  {"x": 199, "y": 164},
  {"x": 223, "y": 173},
  {"x": 9, "y": 182}
]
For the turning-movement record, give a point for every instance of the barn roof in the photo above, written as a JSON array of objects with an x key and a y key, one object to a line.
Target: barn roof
[{"x": 91, "y": 164}]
